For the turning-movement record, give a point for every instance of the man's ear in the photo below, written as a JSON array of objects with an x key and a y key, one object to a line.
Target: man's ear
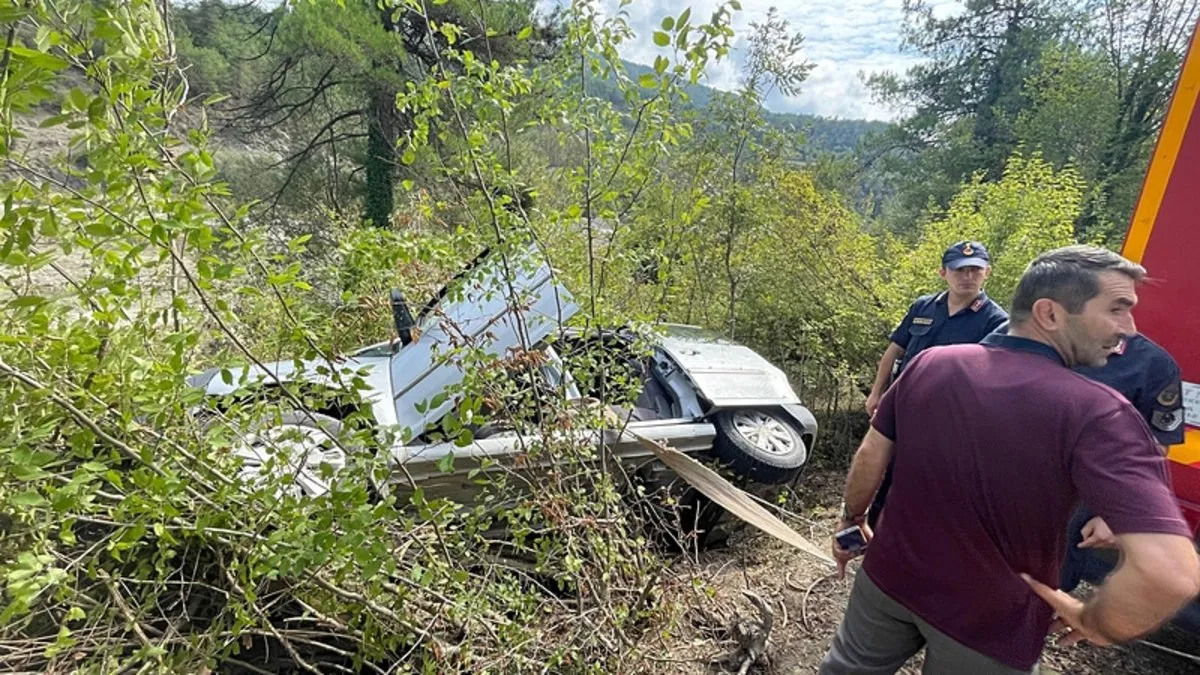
[
  {"x": 942, "y": 272},
  {"x": 1048, "y": 314}
]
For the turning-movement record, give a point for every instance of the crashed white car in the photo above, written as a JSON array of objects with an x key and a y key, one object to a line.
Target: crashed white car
[{"x": 698, "y": 393}]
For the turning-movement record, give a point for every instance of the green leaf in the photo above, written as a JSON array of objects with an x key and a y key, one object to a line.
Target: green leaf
[
  {"x": 27, "y": 301},
  {"x": 446, "y": 463},
  {"x": 297, "y": 244},
  {"x": 12, "y": 13},
  {"x": 683, "y": 18},
  {"x": 409, "y": 156},
  {"x": 96, "y": 109},
  {"x": 38, "y": 59},
  {"x": 668, "y": 23},
  {"x": 215, "y": 99},
  {"x": 53, "y": 121},
  {"x": 28, "y": 498},
  {"x": 525, "y": 33},
  {"x": 648, "y": 80},
  {"x": 660, "y": 64},
  {"x": 661, "y": 39},
  {"x": 78, "y": 99},
  {"x": 98, "y": 229}
]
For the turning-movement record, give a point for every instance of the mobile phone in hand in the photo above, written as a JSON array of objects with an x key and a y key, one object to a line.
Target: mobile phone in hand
[{"x": 851, "y": 539}]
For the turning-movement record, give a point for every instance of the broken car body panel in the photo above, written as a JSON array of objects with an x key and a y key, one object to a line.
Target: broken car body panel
[
  {"x": 477, "y": 314},
  {"x": 467, "y": 466},
  {"x": 727, "y": 374},
  {"x": 700, "y": 373}
]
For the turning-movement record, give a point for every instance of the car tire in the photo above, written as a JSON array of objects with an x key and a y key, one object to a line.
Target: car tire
[{"x": 759, "y": 445}]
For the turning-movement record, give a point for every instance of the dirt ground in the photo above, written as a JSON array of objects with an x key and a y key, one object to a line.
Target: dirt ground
[{"x": 808, "y": 605}]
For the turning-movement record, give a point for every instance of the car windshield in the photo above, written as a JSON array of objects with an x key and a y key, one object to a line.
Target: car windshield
[
  {"x": 693, "y": 333},
  {"x": 378, "y": 349}
]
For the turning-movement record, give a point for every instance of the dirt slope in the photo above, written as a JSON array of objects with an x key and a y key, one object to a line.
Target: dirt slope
[{"x": 808, "y": 605}]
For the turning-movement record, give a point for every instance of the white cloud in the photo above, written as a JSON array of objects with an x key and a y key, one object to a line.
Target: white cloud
[{"x": 842, "y": 39}]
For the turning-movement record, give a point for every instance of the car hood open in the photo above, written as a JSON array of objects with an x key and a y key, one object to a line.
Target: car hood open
[{"x": 727, "y": 374}]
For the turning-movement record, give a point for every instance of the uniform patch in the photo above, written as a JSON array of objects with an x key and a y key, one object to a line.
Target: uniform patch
[
  {"x": 968, "y": 250},
  {"x": 923, "y": 320},
  {"x": 1167, "y": 420},
  {"x": 1169, "y": 396},
  {"x": 976, "y": 305}
]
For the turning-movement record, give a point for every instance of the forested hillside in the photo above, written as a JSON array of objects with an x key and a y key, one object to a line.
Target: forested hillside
[
  {"x": 821, "y": 134},
  {"x": 210, "y": 187}
]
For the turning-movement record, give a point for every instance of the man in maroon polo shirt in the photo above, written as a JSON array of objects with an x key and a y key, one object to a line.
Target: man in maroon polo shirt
[{"x": 994, "y": 444}]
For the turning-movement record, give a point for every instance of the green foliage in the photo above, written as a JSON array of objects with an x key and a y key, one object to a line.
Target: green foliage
[
  {"x": 139, "y": 537},
  {"x": 1085, "y": 84},
  {"x": 1031, "y": 209},
  {"x": 134, "y": 538},
  {"x": 314, "y": 85},
  {"x": 811, "y": 297},
  {"x": 821, "y": 134},
  {"x": 222, "y": 46}
]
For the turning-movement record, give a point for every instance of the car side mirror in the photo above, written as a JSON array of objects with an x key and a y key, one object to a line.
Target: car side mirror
[{"x": 402, "y": 318}]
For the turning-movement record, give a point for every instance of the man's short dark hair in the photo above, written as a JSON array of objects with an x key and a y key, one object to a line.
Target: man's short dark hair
[{"x": 1068, "y": 276}]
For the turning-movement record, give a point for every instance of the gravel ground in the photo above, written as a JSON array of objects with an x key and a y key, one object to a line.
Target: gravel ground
[{"x": 808, "y": 605}]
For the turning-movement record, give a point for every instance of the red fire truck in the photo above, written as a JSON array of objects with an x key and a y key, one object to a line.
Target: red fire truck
[{"x": 1164, "y": 236}]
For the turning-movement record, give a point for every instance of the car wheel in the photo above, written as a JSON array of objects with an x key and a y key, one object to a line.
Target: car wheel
[
  {"x": 293, "y": 453},
  {"x": 759, "y": 445}
]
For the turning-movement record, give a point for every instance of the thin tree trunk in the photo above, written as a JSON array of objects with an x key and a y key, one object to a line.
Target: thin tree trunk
[{"x": 381, "y": 152}]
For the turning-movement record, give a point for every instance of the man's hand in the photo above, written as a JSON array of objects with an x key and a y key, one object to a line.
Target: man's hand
[
  {"x": 873, "y": 403},
  {"x": 841, "y": 555},
  {"x": 1068, "y": 615},
  {"x": 1097, "y": 535}
]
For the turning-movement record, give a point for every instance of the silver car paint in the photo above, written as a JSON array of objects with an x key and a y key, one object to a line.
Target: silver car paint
[
  {"x": 726, "y": 374},
  {"x": 483, "y": 317},
  {"x": 692, "y": 363}
]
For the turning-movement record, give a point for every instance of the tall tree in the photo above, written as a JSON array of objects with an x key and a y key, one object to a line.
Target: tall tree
[
  {"x": 329, "y": 95},
  {"x": 1098, "y": 98},
  {"x": 965, "y": 97},
  {"x": 1144, "y": 41},
  {"x": 737, "y": 145}
]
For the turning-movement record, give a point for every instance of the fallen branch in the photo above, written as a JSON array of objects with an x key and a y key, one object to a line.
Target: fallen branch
[
  {"x": 804, "y": 602},
  {"x": 752, "y": 636}
]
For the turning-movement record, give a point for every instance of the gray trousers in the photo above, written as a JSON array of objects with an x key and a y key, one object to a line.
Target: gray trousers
[{"x": 878, "y": 635}]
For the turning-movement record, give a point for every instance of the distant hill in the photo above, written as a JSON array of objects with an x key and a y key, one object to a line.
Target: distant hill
[{"x": 824, "y": 134}]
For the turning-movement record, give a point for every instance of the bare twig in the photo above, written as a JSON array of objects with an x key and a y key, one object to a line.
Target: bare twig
[{"x": 808, "y": 591}]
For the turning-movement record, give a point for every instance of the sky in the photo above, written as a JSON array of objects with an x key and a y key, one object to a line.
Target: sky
[{"x": 844, "y": 39}]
